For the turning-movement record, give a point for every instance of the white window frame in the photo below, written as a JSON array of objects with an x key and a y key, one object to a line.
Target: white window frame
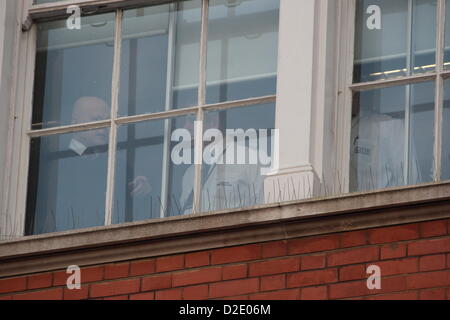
[
  {"x": 347, "y": 87},
  {"x": 20, "y": 134}
]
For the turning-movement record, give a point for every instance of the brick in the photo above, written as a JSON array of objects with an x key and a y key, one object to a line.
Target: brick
[
  {"x": 311, "y": 278},
  {"x": 4, "y": 298},
  {"x": 392, "y": 251},
  {"x": 351, "y": 256},
  {"x": 354, "y": 239},
  {"x": 49, "y": 294},
  {"x": 408, "y": 295},
  {"x": 433, "y": 228},
  {"x": 236, "y": 254},
  {"x": 292, "y": 294},
  {"x": 391, "y": 234},
  {"x": 448, "y": 260},
  {"x": 429, "y": 279},
  {"x": 408, "y": 265},
  {"x": 359, "y": 288},
  {"x": 76, "y": 294},
  {"x": 196, "y": 277},
  {"x": 171, "y": 294},
  {"x": 233, "y": 272},
  {"x": 313, "y": 244},
  {"x": 13, "y": 284},
  {"x": 274, "y": 266},
  {"x": 143, "y": 296},
  {"x": 197, "y": 259},
  {"x": 432, "y": 294},
  {"x": 243, "y": 297},
  {"x": 117, "y": 270},
  {"x": 348, "y": 289},
  {"x": 123, "y": 297},
  {"x": 156, "y": 282},
  {"x": 233, "y": 288},
  {"x": 429, "y": 246},
  {"x": 142, "y": 267},
  {"x": 434, "y": 262},
  {"x": 274, "y": 249},
  {"x": 271, "y": 283},
  {"x": 313, "y": 262},
  {"x": 38, "y": 281},
  {"x": 114, "y": 288},
  {"x": 171, "y": 263},
  {"x": 353, "y": 272},
  {"x": 196, "y": 292},
  {"x": 314, "y": 293},
  {"x": 87, "y": 274}
]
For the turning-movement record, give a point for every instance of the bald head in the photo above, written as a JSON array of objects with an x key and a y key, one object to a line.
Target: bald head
[{"x": 89, "y": 109}]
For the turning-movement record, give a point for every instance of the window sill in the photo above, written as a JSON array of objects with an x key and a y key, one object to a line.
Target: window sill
[{"x": 227, "y": 228}]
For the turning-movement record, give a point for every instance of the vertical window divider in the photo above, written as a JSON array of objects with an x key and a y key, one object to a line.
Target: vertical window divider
[
  {"x": 439, "y": 96},
  {"x": 409, "y": 72},
  {"x": 198, "y": 142},
  {"x": 172, "y": 25},
  {"x": 113, "y": 129}
]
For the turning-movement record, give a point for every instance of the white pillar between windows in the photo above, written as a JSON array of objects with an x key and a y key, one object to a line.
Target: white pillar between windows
[{"x": 301, "y": 127}]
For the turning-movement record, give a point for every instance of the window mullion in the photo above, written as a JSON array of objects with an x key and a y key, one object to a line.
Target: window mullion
[
  {"x": 169, "y": 94},
  {"x": 114, "y": 108},
  {"x": 198, "y": 144},
  {"x": 440, "y": 44}
]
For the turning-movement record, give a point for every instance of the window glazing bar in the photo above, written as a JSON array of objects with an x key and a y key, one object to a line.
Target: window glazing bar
[
  {"x": 439, "y": 96},
  {"x": 198, "y": 144},
  {"x": 169, "y": 94},
  {"x": 113, "y": 130}
]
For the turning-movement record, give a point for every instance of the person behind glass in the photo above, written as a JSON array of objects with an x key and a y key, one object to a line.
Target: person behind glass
[
  {"x": 224, "y": 186},
  {"x": 72, "y": 194},
  {"x": 91, "y": 109}
]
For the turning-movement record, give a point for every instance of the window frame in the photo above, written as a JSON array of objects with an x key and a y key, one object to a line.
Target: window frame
[
  {"x": 347, "y": 87},
  {"x": 35, "y": 13}
]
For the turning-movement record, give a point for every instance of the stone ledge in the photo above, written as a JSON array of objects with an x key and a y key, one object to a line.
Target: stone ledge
[{"x": 214, "y": 230}]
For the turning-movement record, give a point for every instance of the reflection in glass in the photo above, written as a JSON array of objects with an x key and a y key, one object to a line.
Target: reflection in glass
[
  {"x": 387, "y": 150},
  {"x": 67, "y": 181},
  {"x": 160, "y": 58},
  {"x": 235, "y": 152},
  {"x": 404, "y": 43},
  {"x": 242, "y": 49},
  {"x": 72, "y": 64},
  {"x": 147, "y": 184}
]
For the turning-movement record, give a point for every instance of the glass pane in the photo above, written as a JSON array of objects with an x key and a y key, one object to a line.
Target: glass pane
[
  {"x": 72, "y": 67},
  {"x": 394, "y": 38},
  {"x": 242, "y": 49},
  {"x": 238, "y": 145},
  {"x": 148, "y": 178},
  {"x": 387, "y": 150},
  {"x": 446, "y": 133},
  {"x": 67, "y": 181},
  {"x": 160, "y": 58}
]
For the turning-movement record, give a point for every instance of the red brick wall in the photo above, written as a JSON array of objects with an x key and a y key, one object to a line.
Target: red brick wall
[{"x": 414, "y": 261}]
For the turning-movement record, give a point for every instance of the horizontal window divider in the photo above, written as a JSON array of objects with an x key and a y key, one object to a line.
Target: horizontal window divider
[
  {"x": 445, "y": 74},
  {"x": 58, "y": 10},
  {"x": 393, "y": 82},
  {"x": 69, "y": 129},
  {"x": 193, "y": 110},
  {"x": 157, "y": 115},
  {"x": 239, "y": 103}
]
